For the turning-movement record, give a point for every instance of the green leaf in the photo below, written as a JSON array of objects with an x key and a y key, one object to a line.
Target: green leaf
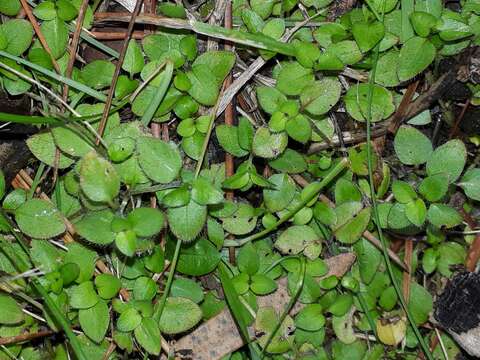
[
  {"x": 84, "y": 258},
  {"x": 369, "y": 259},
  {"x": 228, "y": 137},
  {"x": 72, "y": 141},
  {"x": 270, "y": 98},
  {"x": 161, "y": 161},
  {"x": 470, "y": 183},
  {"x": 133, "y": 62},
  {"x": 310, "y": 318},
  {"x": 205, "y": 88},
  {"x": 18, "y": 35},
  {"x": 293, "y": 78},
  {"x": 96, "y": 227},
  {"x": 198, "y": 259},
  {"x": 420, "y": 303},
  {"x": 43, "y": 147},
  {"x": 248, "y": 259},
  {"x": 187, "y": 288},
  {"x": 295, "y": 239},
  {"x": 412, "y": 146},
  {"x": 129, "y": 320},
  {"x": 356, "y": 101},
  {"x": 148, "y": 336},
  {"x": 386, "y": 73},
  {"x": 211, "y": 306},
  {"x": 94, "y": 321},
  {"x": 449, "y": 158},
  {"x": 415, "y": 56},
  {"x": 107, "y": 286},
  {"x": 278, "y": 198},
  {"x": 443, "y": 215},
  {"x": 403, "y": 191},
  {"x": 45, "y": 255},
  {"x": 56, "y": 36},
  {"x": 10, "y": 7},
  {"x": 434, "y": 187},
  {"x": 416, "y": 212},
  {"x": 98, "y": 178},
  {"x": 299, "y": 128},
  {"x": 367, "y": 35},
  {"x": 353, "y": 229},
  {"x": 290, "y": 161},
  {"x": 83, "y": 296},
  {"x": 220, "y": 63},
  {"x": 144, "y": 289},
  {"x": 262, "y": 285},
  {"x": 266, "y": 322},
  {"x": 126, "y": 242},
  {"x": 146, "y": 222},
  {"x": 11, "y": 312},
  {"x": 242, "y": 221},
  {"x": 205, "y": 193},
  {"x": 321, "y": 96},
  {"x": 179, "y": 315},
  {"x": 449, "y": 253},
  {"x": 245, "y": 133},
  {"x": 268, "y": 145},
  {"x": 187, "y": 221},
  {"x": 422, "y": 22},
  {"x": 39, "y": 219},
  {"x": 98, "y": 74}
]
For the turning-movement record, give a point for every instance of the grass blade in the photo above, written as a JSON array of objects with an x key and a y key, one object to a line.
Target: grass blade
[
  {"x": 72, "y": 83},
  {"x": 159, "y": 95}
]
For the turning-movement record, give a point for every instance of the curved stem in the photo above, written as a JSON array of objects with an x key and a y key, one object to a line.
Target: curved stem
[
  {"x": 158, "y": 312},
  {"x": 376, "y": 215}
]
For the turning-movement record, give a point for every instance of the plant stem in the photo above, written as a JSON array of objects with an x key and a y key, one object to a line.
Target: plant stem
[
  {"x": 289, "y": 307},
  {"x": 159, "y": 95},
  {"x": 159, "y": 310},
  {"x": 376, "y": 215},
  {"x": 317, "y": 187}
]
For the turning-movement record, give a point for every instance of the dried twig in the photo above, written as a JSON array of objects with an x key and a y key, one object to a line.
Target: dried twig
[
  {"x": 74, "y": 44},
  {"x": 118, "y": 68},
  {"x": 38, "y": 31},
  {"x": 25, "y": 337}
]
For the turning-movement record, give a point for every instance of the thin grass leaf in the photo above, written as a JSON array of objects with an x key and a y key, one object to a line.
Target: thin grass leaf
[
  {"x": 72, "y": 83},
  {"x": 240, "y": 314},
  {"x": 159, "y": 95},
  {"x": 317, "y": 187},
  {"x": 371, "y": 83},
  {"x": 258, "y": 41},
  {"x": 29, "y": 119},
  {"x": 21, "y": 266}
]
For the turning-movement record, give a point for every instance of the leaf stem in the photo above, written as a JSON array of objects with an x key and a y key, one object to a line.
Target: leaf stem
[
  {"x": 289, "y": 307},
  {"x": 317, "y": 187},
  {"x": 159, "y": 95},
  {"x": 161, "y": 305},
  {"x": 376, "y": 215}
]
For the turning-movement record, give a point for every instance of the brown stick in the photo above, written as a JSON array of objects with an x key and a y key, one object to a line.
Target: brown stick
[
  {"x": 39, "y": 33},
  {"x": 118, "y": 68},
  {"x": 116, "y": 35},
  {"x": 459, "y": 119},
  {"x": 25, "y": 337},
  {"x": 74, "y": 45},
  {"x": 406, "y": 274},
  {"x": 399, "y": 115}
]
